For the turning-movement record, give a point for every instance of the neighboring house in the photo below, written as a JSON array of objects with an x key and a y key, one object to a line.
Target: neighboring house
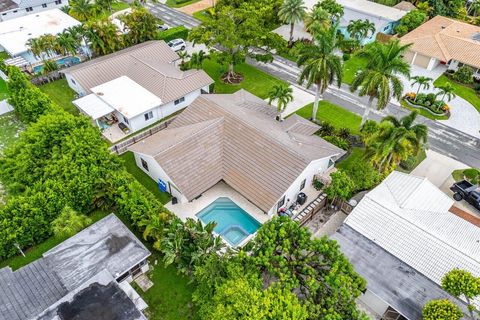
[
  {"x": 134, "y": 87},
  {"x": 444, "y": 41},
  {"x": 87, "y": 276},
  {"x": 403, "y": 237},
  {"x": 10, "y": 9},
  {"x": 235, "y": 138},
  {"x": 15, "y": 33}
]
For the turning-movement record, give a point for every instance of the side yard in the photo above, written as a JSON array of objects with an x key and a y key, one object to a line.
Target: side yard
[{"x": 61, "y": 94}]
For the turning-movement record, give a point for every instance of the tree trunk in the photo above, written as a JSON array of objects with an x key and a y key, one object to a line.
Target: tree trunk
[
  {"x": 470, "y": 311},
  {"x": 416, "y": 95},
  {"x": 367, "y": 110},
  {"x": 318, "y": 96},
  {"x": 290, "y": 41}
]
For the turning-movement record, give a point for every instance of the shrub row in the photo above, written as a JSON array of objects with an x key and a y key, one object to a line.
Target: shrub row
[{"x": 173, "y": 33}]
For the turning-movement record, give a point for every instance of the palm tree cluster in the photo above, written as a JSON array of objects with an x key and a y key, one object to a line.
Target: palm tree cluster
[
  {"x": 360, "y": 29},
  {"x": 445, "y": 91},
  {"x": 85, "y": 10}
]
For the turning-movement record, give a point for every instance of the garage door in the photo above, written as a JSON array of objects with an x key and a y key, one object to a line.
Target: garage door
[
  {"x": 421, "y": 61},
  {"x": 408, "y": 56}
]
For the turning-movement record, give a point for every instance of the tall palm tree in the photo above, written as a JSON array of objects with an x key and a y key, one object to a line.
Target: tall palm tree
[
  {"x": 103, "y": 36},
  {"x": 380, "y": 77},
  {"x": 360, "y": 29},
  {"x": 395, "y": 141},
  {"x": 83, "y": 10},
  {"x": 68, "y": 43},
  {"x": 317, "y": 20},
  {"x": 447, "y": 91},
  {"x": 283, "y": 95},
  {"x": 423, "y": 83},
  {"x": 36, "y": 47},
  {"x": 291, "y": 12},
  {"x": 320, "y": 64}
]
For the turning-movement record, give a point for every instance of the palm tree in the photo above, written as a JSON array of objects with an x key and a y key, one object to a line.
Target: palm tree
[
  {"x": 423, "y": 83},
  {"x": 69, "y": 222},
  {"x": 83, "y": 10},
  {"x": 360, "y": 29},
  {"x": 103, "y": 36},
  {"x": 380, "y": 77},
  {"x": 317, "y": 20},
  {"x": 105, "y": 4},
  {"x": 474, "y": 7},
  {"x": 321, "y": 66},
  {"x": 292, "y": 11},
  {"x": 36, "y": 47},
  {"x": 196, "y": 60},
  {"x": 68, "y": 43},
  {"x": 395, "y": 141},
  {"x": 154, "y": 227},
  {"x": 283, "y": 95},
  {"x": 448, "y": 91},
  {"x": 183, "y": 56}
]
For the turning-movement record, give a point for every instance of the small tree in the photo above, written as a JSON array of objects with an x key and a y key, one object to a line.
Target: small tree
[
  {"x": 69, "y": 222},
  {"x": 446, "y": 91},
  {"x": 461, "y": 283},
  {"x": 341, "y": 186},
  {"x": 441, "y": 310},
  {"x": 464, "y": 74},
  {"x": 423, "y": 83},
  {"x": 410, "y": 21},
  {"x": 283, "y": 95}
]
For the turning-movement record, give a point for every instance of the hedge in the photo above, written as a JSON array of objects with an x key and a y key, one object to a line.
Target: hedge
[{"x": 173, "y": 33}]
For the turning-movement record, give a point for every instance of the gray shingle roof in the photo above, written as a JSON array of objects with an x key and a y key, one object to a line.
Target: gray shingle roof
[
  {"x": 234, "y": 137},
  {"x": 149, "y": 64}
]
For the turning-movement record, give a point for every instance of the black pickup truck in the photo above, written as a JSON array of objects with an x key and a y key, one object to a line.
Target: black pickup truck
[{"x": 468, "y": 191}]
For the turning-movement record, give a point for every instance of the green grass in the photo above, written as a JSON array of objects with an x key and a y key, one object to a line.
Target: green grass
[
  {"x": 61, "y": 94},
  {"x": 170, "y": 298},
  {"x": 351, "y": 66},
  {"x": 458, "y": 175},
  {"x": 36, "y": 252},
  {"x": 255, "y": 81},
  {"x": 129, "y": 162},
  {"x": 420, "y": 157},
  {"x": 462, "y": 91},
  {"x": 3, "y": 90},
  {"x": 355, "y": 156},
  {"x": 336, "y": 115},
  {"x": 10, "y": 128},
  {"x": 173, "y": 3},
  {"x": 200, "y": 15},
  {"x": 422, "y": 111},
  {"x": 4, "y": 55},
  {"x": 118, "y": 6}
]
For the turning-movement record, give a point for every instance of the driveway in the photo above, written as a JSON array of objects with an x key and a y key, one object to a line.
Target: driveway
[
  {"x": 298, "y": 32},
  {"x": 438, "y": 169},
  {"x": 300, "y": 99}
]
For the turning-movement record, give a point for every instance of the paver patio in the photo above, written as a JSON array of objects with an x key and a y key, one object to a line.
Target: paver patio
[{"x": 197, "y": 6}]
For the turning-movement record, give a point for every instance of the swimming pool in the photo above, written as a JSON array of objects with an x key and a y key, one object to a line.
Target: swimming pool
[
  {"x": 67, "y": 61},
  {"x": 233, "y": 224}
]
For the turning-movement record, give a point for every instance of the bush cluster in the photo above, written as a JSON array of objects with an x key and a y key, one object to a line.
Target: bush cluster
[
  {"x": 338, "y": 137},
  {"x": 464, "y": 75},
  {"x": 428, "y": 101},
  {"x": 173, "y": 33}
]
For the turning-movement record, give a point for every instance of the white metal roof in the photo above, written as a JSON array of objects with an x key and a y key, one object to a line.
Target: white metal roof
[
  {"x": 126, "y": 96},
  {"x": 370, "y": 8},
  {"x": 15, "y": 33},
  {"x": 93, "y": 106},
  {"x": 408, "y": 216}
]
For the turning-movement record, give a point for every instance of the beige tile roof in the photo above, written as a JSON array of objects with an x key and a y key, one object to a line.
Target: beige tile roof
[
  {"x": 149, "y": 64},
  {"x": 234, "y": 137},
  {"x": 405, "y": 6},
  {"x": 444, "y": 38}
]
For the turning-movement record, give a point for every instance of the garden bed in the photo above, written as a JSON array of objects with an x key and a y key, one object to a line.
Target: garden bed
[
  {"x": 424, "y": 111},
  {"x": 463, "y": 91}
]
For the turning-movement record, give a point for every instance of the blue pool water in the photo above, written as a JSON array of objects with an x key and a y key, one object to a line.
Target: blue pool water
[
  {"x": 233, "y": 223},
  {"x": 67, "y": 61}
]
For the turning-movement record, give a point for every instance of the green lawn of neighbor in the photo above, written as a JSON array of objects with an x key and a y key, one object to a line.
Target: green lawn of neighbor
[
  {"x": 118, "y": 6},
  {"x": 174, "y": 4},
  {"x": 334, "y": 114},
  {"x": 10, "y": 128},
  {"x": 200, "y": 15},
  {"x": 422, "y": 155},
  {"x": 356, "y": 155},
  {"x": 36, "y": 252},
  {"x": 61, "y": 94},
  {"x": 143, "y": 178},
  {"x": 351, "y": 66},
  {"x": 170, "y": 298},
  {"x": 255, "y": 81},
  {"x": 3, "y": 90},
  {"x": 462, "y": 91},
  {"x": 422, "y": 111}
]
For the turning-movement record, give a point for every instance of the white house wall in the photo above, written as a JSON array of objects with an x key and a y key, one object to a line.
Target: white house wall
[
  {"x": 20, "y": 12},
  {"x": 156, "y": 172},
  {"x": 315, "y": 167},
  {"x": 74, "y": 85}
]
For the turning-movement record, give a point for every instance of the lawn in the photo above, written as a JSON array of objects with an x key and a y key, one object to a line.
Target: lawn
[
  {"x": 170, "y": 298},
  {"x": 36, "y": 252},
  {"x": 462, "y": 91},
  {"x": 3, "y": 90},
  {"x": 420, "y": 157},
  {"x": 355, "y": 156},
  {"x": 422, "y": 112},
  {"x": 201, "y": 15},
  {"x": 10, "y": 128},
  {"x": 174, "y": 4},
  {"x": 4, "y": 55},
  {"x": 255, "y": 81},
  {"x": 61, "y": 94},
  {"x": 334, "y": 114},
  {"x": 143, "y": 178},
  {"x": 351, "y": 66}
]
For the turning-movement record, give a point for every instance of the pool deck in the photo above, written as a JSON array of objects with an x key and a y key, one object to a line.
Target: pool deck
[{"x": 221, "y": 189}]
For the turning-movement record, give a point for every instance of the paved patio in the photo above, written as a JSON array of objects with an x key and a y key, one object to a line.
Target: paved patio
[{"x": 113, "y": 133}]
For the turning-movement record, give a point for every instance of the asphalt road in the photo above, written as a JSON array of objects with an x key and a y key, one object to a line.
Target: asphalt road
[{"x": 441, "y": 138}]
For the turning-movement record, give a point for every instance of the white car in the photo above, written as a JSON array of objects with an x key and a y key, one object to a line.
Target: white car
[
  {"x": 162, "y": 27},
  {"x": 177, "y": 44}
]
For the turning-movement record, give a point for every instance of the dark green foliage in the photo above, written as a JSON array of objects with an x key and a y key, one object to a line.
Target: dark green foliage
[
  {"x": 364, "y": 176},
  {"x": 409, "y": 163},
  {"x": 343, "y": 133},
  {"x": 326, "y": 129},
  {"x": 173, "y": 33},
  {"x": 410, "y": 21},
  {"x": 338, "y": 141},
  {"x": 449, "y": 8},
  {"x": 464, "y": 74}
]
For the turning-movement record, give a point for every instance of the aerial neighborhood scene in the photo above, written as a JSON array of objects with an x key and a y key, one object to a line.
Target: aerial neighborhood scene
[{"x": 239, "y": 159}]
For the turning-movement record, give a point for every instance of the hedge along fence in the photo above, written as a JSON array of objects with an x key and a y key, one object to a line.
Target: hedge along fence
[{"x": 173, "y": 33}]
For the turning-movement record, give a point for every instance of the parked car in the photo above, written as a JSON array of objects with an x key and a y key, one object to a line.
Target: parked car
[
  {"x": 467, "y": 191},
  {"x": 177, "y": 44},
  {"x": 162, "y": 27}
]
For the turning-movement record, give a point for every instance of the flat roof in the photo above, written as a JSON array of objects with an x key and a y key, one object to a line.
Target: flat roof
[
  {"x": 93, "y": 106},
  {"x": 126, "y": 96},
  {"x": 15, "y": 33}
]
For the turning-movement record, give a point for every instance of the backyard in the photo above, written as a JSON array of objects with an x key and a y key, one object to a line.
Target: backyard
[
  {"x": 61, "y": 94},
  {"x": 462, "y": 91},
  {"x": 255, "y": 81}
]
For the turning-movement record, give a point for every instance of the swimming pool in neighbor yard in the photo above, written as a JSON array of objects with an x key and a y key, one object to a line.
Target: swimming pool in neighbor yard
[{"x": 233, "y": 223}]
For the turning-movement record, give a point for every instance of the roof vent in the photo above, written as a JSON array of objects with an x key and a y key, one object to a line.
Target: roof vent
[
  {"x": 443, "y": 27},
  {"x": 99, "y": 93}
]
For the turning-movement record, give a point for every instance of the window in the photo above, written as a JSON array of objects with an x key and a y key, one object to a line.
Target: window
[
  {"x": 15, "y": 11},
  {"x": 73, "y": 81},
  {"x": 148, "y": 115},
  {"x": 44, "y": 5},
  {"x": 125, "y": 120},
  {"x": 29, "y": 9},
  {"x": 144, "y": 164},
  {"x": 331, "y": 163},
  {"x": 281, "y": 203},
  {"x": 179, "y": 100},
  {"x": 303, "y": 184},
  {"x": 58, "y": 2},
  {"x": 4, "y": 14}
]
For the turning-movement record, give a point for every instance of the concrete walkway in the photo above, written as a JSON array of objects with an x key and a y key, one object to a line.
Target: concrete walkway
[
  {"x": 300, "y": 99},
  {"x": 197, "y": 6},
  {"x": 5, "y": 107}
]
